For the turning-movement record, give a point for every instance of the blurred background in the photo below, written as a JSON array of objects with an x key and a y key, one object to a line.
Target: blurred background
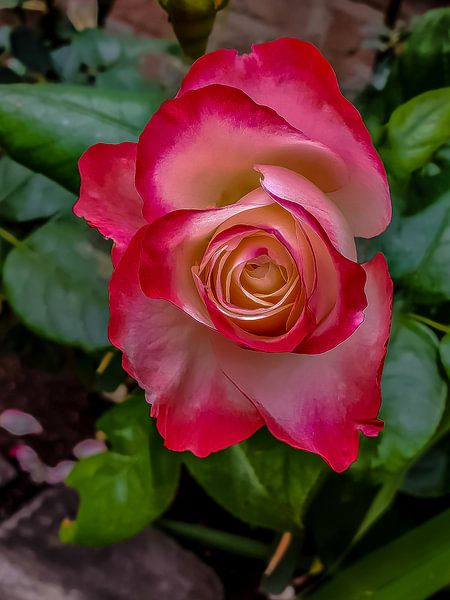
[{"x": 58, "y": 375}]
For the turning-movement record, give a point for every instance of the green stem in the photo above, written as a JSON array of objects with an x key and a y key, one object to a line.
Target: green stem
[
  {"x": 430, "y": 322},
  {"x": 9, "y": 237},
  {"x": 222, "y": 540}
]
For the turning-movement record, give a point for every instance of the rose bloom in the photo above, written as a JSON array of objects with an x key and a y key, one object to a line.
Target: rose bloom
[{"x": 237, "y": 299}]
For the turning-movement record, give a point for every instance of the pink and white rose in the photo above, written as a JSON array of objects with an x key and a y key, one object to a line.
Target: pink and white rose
[{"x": 237, "y": 298}]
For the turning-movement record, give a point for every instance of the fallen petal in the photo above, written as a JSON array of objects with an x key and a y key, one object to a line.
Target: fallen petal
[
  {"x": 89, "y": 447},
  {"x": 18, "y": 422}
]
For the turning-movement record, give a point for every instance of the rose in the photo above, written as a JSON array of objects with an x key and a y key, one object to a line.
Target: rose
[{"x": 236, "y": 298}]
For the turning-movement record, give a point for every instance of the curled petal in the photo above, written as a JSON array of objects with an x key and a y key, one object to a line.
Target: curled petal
[
  {"x": 198, "y": 151},
  {"x": 108, "y": 197},
  {"x": 171, "y": 246},
  {"x": 303, "y": 89},
  {"x": 339, "y": 300},
  {"x": 291, "y": 186}
]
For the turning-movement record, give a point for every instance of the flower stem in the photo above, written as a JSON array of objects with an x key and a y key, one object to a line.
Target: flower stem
[
  {"x": 222, "y": 540},
  {"x": 104, "y": 363},
  {"x": 430, "y": 322},
  {"x": 280, "y": 551},
  {"x": 9, "y": 237}
]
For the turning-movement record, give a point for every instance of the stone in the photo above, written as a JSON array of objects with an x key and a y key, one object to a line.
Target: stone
[{"x": 34, "y": 565}]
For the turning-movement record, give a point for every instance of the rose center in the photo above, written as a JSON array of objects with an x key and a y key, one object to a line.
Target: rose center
[
  {"x": 262, "y": 276},
  {"x": 252, "y": 279}
]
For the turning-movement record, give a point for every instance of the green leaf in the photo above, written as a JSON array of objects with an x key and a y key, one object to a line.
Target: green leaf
[
  {"x": 213, "y": 538},
  {"x": 424, "y": 63},
  {"x": 47, "y": 127},
  {"x": 413, "y": 566},
  {"x": 416, "y": 130},
  {"x": 429, "y": 477},
  {"x": 260, "y": 481},
  {"x": 413, "y": 402},
  {"x": 444, "y": 350},
  {"x": 25, "y": 195},
  {"x": 337, "y": 512},
  {"x": 413, "y": 395},
  {"x": 126, "y": 488},
  {"x": 110, "y": 60},
  {"x": 417, "y": 249},
  {"x": 56, "y": 282},
  {"x": 429, "y": 183},
  {"x": 381, "y": 502}
]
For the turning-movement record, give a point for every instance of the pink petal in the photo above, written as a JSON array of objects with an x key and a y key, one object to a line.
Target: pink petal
[
  {"x": 279, "y": 342},
  {"x": 89, "y": 447},
  {"x": 291, "y": 186},
  {"x": 293, "y": 78},
  {"x": 59, "y": 472},
  {"x": 173, "y": 359},
  {"x": 198, "y": 151},
  {"x": 30, "y": 462},
  {"x": 173, "y": 244},
  {"x": 320, "y": 402},
  {"x": 108, "y": 197},
  {"x": 18, "y": 422}
]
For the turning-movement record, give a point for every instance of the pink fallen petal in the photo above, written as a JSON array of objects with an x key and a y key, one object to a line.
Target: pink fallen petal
[
  {"x": 19, "y": 423},
  {"x": 89, "y": 447},
  {"x": 59, "y": 472},
  {"x": 30, "y": 462}
]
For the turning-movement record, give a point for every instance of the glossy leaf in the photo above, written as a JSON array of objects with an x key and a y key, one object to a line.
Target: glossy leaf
[
  {"x": 429, "y": 477},
  {"x": 25, "y": 195},
  {"x": 101, "y": 49},
  {"x": 416, "y": 130},
  {"x": 112, "y": 59},
  {"x": 56, "y": 282},
  {"x": 260, "y": 481},
  {"x": 413, "y": 566},
  {"x": 420, "y": 63},
  {"x": 413, "y": 395},
  {"x": 47, "y": 127},
  {"x": 424, "y": 63},
  {"x": 444, "y": 349},
  {"x": 417, "y": 249},
  {"x": 429, "y": 183},
  {"x": 339, "y": 509},
  {"x": 126, "y": 488},
  {"x": 413, "y": 401},
  {"x": 380, "y": 504}
]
